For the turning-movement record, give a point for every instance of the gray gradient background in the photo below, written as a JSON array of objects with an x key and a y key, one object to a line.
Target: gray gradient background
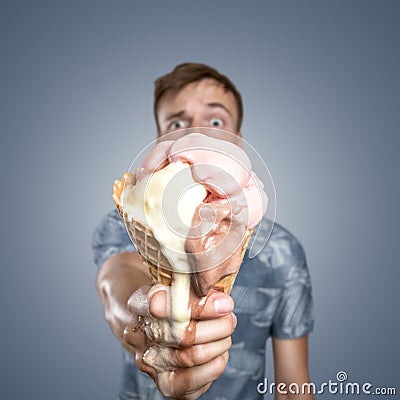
[{"x": 320, "y": 81}]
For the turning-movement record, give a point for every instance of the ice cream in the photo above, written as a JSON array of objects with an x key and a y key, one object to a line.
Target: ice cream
[
  {"x": 221, "y": 166},
  {"x": 200, "y": 199}
]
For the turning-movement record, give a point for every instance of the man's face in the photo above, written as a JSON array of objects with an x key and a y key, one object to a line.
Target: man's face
[{"x": 199, "y": 104}]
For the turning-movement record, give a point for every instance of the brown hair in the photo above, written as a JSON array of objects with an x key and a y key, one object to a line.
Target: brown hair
[{"x": 186, "y": 73}]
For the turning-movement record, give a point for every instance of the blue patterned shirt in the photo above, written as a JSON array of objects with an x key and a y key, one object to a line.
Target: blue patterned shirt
[{"x": 272, "y": 295}]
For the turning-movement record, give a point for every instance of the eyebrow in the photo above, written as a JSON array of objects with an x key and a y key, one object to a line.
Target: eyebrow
[
  {"x": 175, "y": 115},
  {"x": 220, "y": 105}
]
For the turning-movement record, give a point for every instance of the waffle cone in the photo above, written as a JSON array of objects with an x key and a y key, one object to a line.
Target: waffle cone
[{"x": 149, "y": 248}]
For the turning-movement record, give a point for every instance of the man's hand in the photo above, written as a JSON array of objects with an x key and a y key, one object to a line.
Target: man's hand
[{"x": 182, "y": 367}]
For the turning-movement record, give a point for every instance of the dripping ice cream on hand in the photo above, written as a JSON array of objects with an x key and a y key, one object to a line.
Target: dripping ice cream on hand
[{"x": 201, "y": 200}]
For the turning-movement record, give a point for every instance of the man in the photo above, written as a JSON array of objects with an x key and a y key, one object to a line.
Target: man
[{"x": 271, "y": 297}]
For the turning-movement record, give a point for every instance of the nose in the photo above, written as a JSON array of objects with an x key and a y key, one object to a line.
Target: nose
[{"x": 197, "y": 122}]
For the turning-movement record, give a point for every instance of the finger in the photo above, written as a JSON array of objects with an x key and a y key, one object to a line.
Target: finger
[
  {"x": 167, "y": 357},
  {"x": 214, "y": 305},
  {"x": 136, "y": 340},
  {"x": 144, "y": 367},
  {"x": 160, "y": 303},
  {"x": 195, "y": 394},
  {"x": 182, "y": 381},
  {"x": 212, "y": 330},
  {"x": 134, "y": 337},
  {"x": 138, "y": 303}
]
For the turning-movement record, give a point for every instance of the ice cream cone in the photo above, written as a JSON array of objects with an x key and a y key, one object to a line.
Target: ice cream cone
[{"x": 149, "y": 248}]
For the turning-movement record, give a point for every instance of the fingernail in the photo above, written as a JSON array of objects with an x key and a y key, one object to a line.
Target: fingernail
[
  {"x": 223, "y": 305},
  {"x": 154, "y": 289}
]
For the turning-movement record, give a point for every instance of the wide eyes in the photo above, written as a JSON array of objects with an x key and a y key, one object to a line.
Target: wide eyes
[
  {"x": 217, "y": 122},
  {"x": 177, "y": 125}
]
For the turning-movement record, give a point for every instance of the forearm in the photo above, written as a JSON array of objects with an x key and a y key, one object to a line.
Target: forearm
[
  {"x": 291, "y": 368},
  {"x": 118, "y": 278}
]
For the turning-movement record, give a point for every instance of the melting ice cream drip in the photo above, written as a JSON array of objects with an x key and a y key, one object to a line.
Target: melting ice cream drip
[{"x": 166, "y": 201}]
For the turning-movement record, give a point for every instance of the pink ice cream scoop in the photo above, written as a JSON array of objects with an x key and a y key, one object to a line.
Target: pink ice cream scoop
[{"x": 221, "y": 166}]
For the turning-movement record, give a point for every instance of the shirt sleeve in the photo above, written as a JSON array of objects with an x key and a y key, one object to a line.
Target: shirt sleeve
[
  {"x": 110, "y": 237},
  {"x": 294, "y": 313}
]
